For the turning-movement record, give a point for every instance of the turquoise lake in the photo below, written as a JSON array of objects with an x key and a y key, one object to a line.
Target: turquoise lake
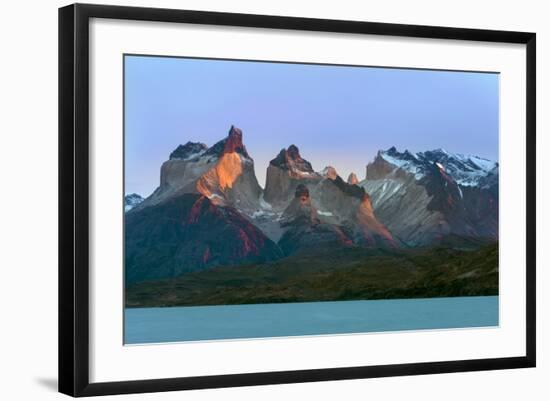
[{"x": 195, "y": 323}]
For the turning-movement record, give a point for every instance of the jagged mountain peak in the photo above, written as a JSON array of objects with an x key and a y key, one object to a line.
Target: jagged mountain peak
[
  {"x": 233, "y": 143},
  {"x": 290, "y": 159},
  {"x": 284, "y": 173},
  {"x": 466, "y": 170},
  {"x": 293, "y": 152},
  {"x": 329, "y": 172}
]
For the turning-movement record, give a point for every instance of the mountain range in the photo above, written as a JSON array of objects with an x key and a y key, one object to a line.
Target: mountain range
[{"x": 209, "y": 209}]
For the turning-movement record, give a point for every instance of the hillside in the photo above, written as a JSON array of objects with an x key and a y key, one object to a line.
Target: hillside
[{"x": 338, "y": 273}]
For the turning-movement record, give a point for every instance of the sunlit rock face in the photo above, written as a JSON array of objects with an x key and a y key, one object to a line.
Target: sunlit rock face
[{"x": 224, "y": 173}]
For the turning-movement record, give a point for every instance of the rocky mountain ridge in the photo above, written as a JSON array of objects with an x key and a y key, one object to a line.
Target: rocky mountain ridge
[
  {"x": 209, "y": 209},
  {"x": 424, "y": 197}
]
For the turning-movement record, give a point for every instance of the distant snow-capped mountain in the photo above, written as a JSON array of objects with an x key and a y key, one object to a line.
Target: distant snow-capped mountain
[
  {"x": 427, "y": 196},
  {"x": 131, "y": 201},
  {"x": 466, "y": 170}
]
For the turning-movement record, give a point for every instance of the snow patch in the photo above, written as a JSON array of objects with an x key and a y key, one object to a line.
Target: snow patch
[
  {"x": 259, "y": 213},
  {"x": 245, "y": 159},
  {"x": 304, "y": 173},
  {"x": 264, "y": 204},
  {"x": 194, "y": 155},
  {"x": 408, "y": 166},
  {"x": 466, "y": 170},
  {"x": 215, "y": 196},
  {"x": 324, "y": 213}
]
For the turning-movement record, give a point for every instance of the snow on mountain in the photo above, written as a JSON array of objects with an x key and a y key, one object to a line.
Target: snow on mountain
[
  {"x": 189, "y": 151},
  {"x": 428, "y": 195},
  {"x": 465, "y": 170}
]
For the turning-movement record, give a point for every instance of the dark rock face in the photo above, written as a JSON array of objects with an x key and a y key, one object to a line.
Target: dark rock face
[
  {"x": 302, "y": 237},
  {"x": 305, "y": 230},
  {"x": 189, "y": 149},
  {"x": 190, "y": 233},
  {"x": 470, "y": 211},
  {"x": 482, "y": 208},
  {"x": 300, "y": 209},
  {"x": 446, "y": 198},
  {"x": 302, "y": 192},
  {"x": 290, "y": 159},
  {"x": 352, "y": 190},
  {"x": 284, "y": 173}
]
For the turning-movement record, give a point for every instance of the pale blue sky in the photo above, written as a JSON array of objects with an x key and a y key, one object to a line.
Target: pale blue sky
[{"x": 336, "y": 115}]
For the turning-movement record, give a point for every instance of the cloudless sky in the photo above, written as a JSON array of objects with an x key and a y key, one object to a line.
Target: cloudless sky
[{"x": 336, "y": 115}]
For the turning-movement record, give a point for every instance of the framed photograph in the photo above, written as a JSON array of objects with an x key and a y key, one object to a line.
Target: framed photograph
[{"x": 251, "y": 199}]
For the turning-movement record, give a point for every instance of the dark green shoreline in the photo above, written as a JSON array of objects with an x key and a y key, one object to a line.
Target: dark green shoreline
[{"x": 331, "y": 274}]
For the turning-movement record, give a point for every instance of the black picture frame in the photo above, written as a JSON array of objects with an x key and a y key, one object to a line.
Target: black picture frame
[{"x": 74, "y": 198}]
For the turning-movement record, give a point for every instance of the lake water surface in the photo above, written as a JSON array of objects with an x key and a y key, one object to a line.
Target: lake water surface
[{"x": 193, "y": 323}]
